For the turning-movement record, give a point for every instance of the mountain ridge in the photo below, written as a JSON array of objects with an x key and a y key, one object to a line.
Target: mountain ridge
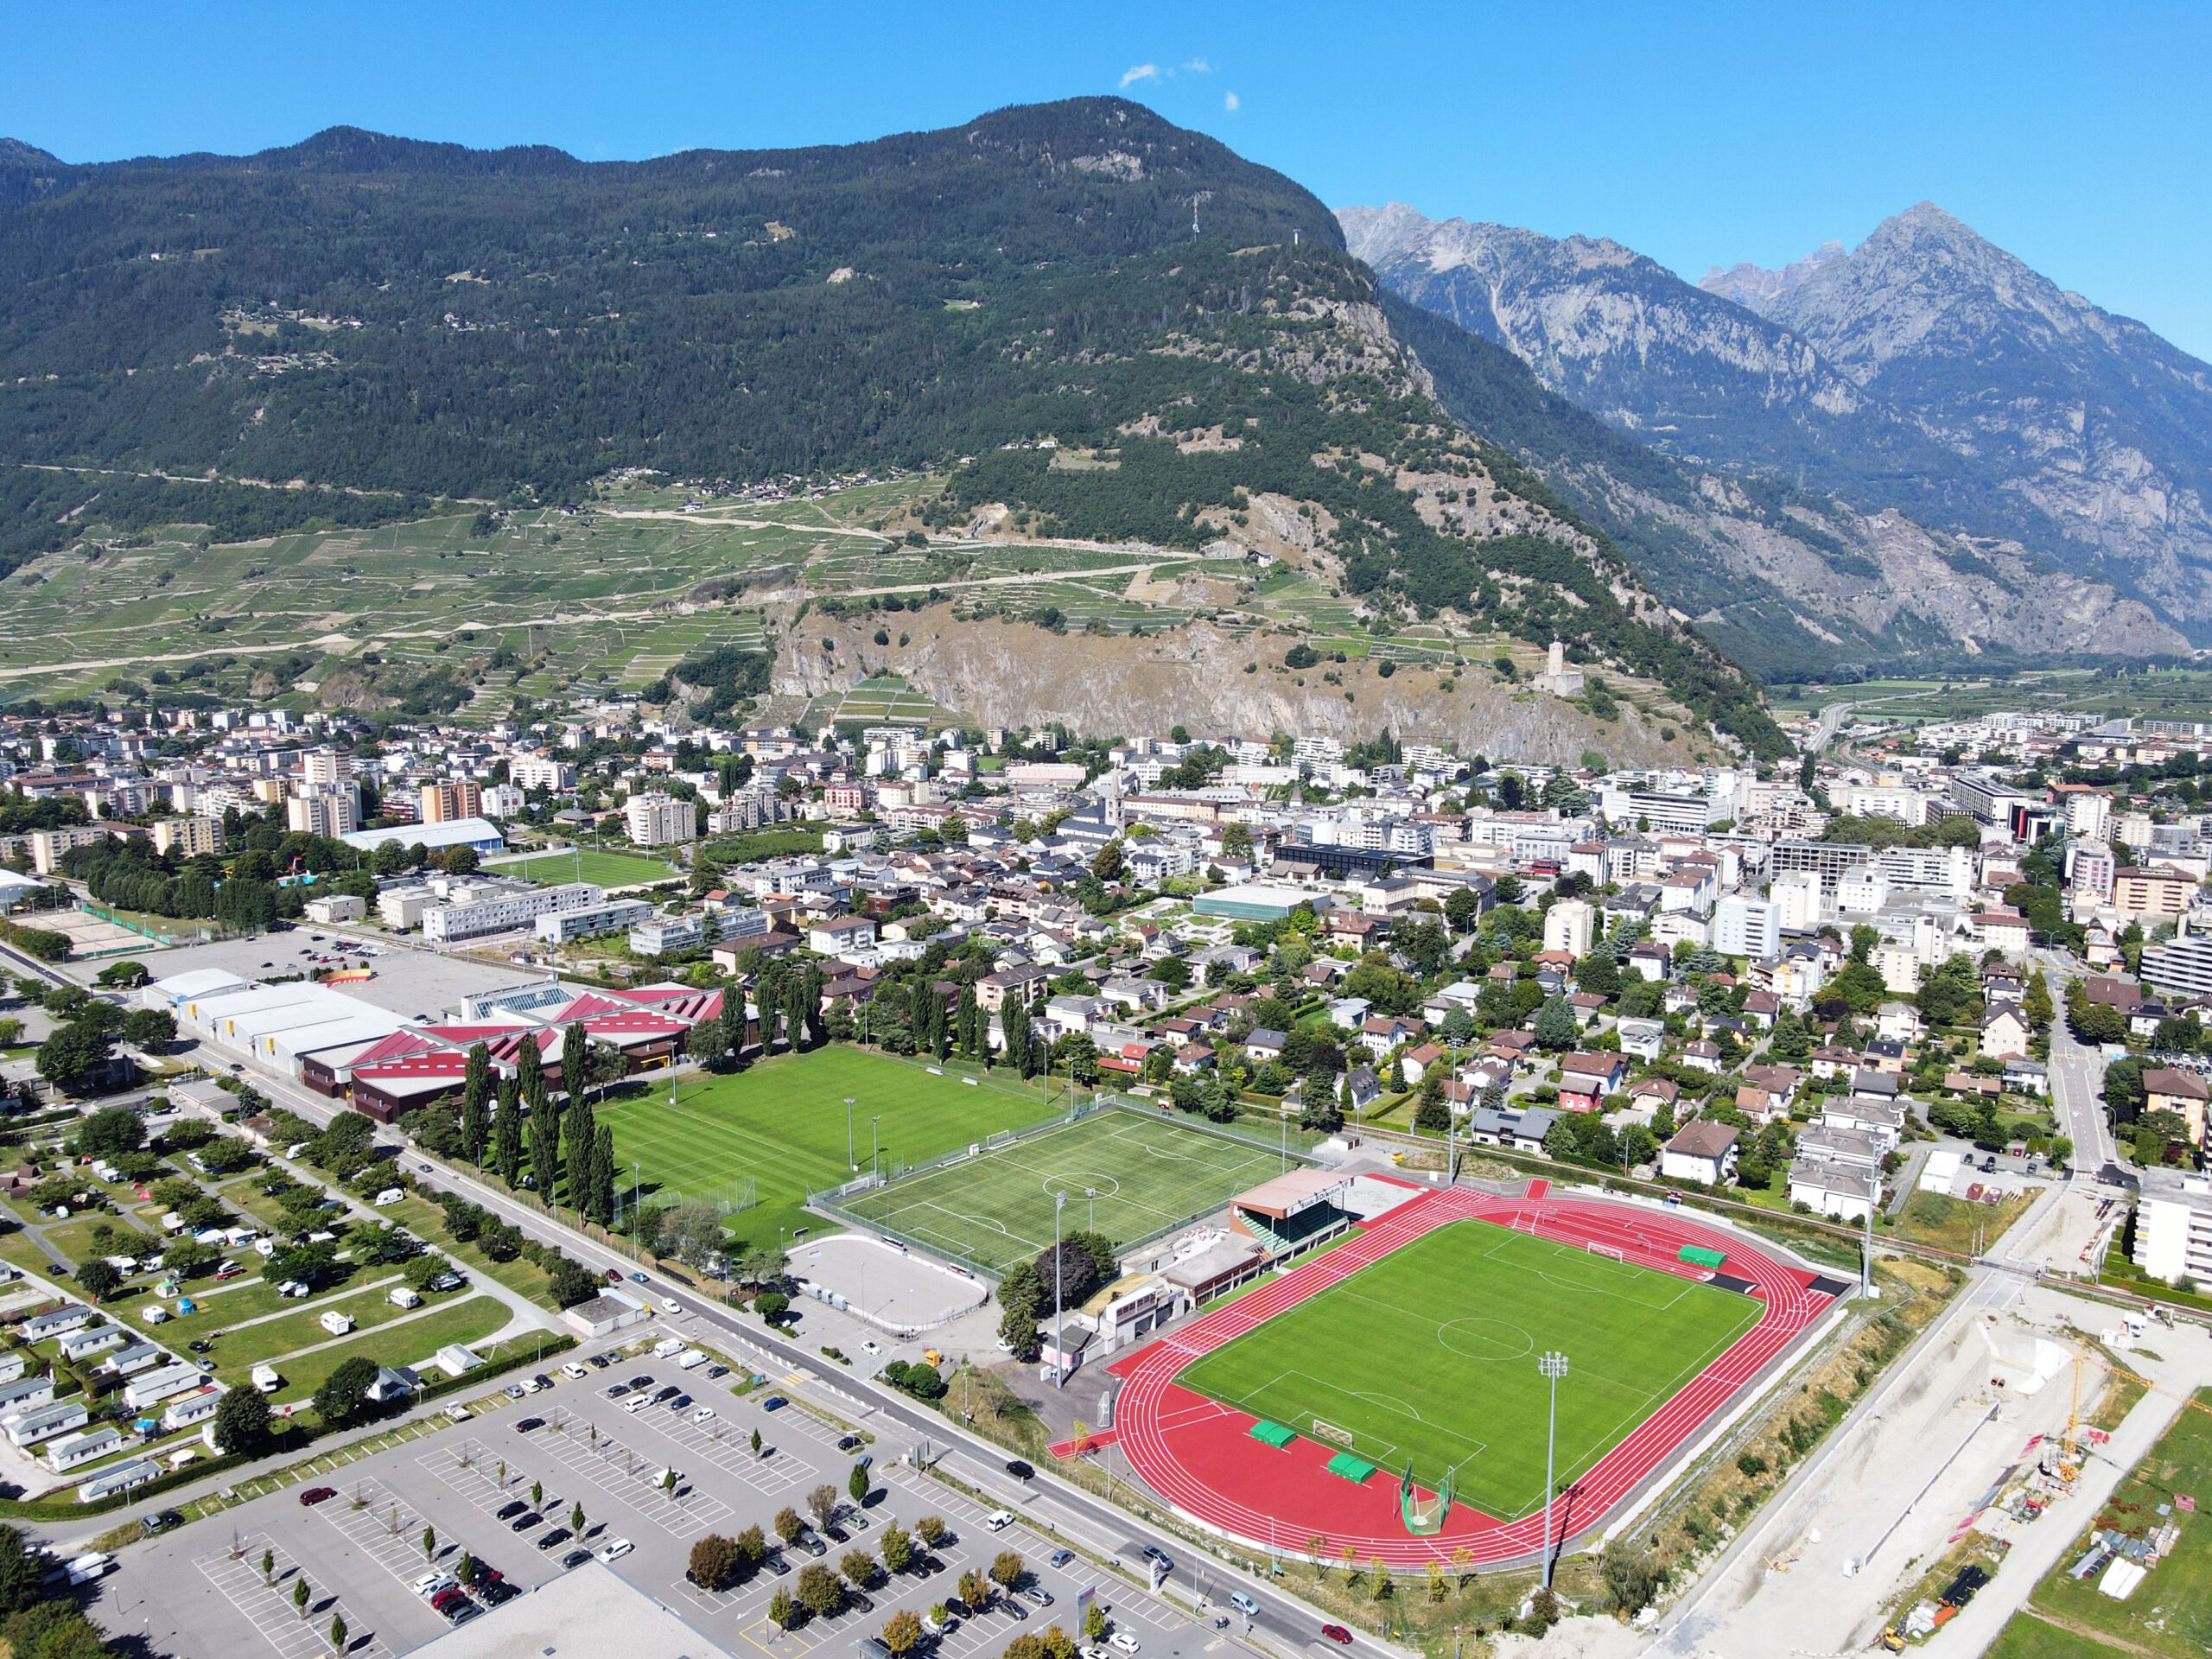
[
  {"x": 1925, "y": 372},
  {"x": 1019, "y": 299}
]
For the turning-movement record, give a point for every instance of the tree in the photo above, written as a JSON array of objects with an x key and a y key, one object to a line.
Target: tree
[
  {"x": 1632, "y": 1576},
  {"x": 1069, "y": 1268},
  {"x": 150, "y": 1029},
  {"x": 898, "y": 1548},
  {"x": 859, "y": 1568},
  {"x": 475, "y": 1101},
  {"x": 1434, "y": 1114},
  {"x": 931, "y": 1530},
  {"x": 858, "y": 1485},
  {"x": 337, "y": 1633},
  {"x": 23, "y": 1575},
  {"x": 506, "y": 1133},
  {"x": 902, "y": 1633},
  {"x": 822, "y": 1502},
  {"x": 820, "y": 1591},
  {"x": 716, "y": 1563},
  {"x": 97, "y": 1278},
  {"x": 2036, "y": 1005},
  {"x": 975, "y": 1589},
  {"x": 1007, "y": 1568},
  {"x": 430, "y": 1543},
  {"x": 342, "y": 1398},
  {"x": 74, "y": 1054},
  {"x": 242, "y": 1419},
  {"x": 302, "y": 1594},
  {"x": 1109, "y": 863},
  {"x": 788, "y": 1526},
  {"x": 268, "y": 1565},
  {"x": 781, "y": 1608},
  {"x": 544, "y": 1149},
  {"x": 1555, "y": 1027}
]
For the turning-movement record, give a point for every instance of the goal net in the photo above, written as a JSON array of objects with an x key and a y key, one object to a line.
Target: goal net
[{"x": 1610, "y": 1252}]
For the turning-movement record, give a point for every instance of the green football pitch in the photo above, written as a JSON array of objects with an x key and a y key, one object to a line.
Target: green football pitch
[
  {"x": 607, "y": 869},
  {"x": 1430, "y": 1354},
  {"x": 783, "y": 1123},
  {"x": 1128, "y": 1174}
]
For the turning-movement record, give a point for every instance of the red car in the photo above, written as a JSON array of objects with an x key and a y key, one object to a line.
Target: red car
[
  {"x": 1337, "y": 1633},
  {"x": 612, "y": 1277},
  {"x": 316, "y": 1494}
]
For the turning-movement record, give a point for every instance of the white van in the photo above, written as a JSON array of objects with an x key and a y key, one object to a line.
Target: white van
[
  {"x": 691, "y": 1359},
  {"x": 336, "y": 1323},
  {"x": 998, "y": 1521},
  {"x": 400, "y": 1296},
  {"x": 574, "y": 1372},
  {"x": 266, "y": 1380},
  {"x": 669, "y": 1347}
]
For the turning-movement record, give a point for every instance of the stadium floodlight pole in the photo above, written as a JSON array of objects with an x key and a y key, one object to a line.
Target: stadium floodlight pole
[
  {"x": 1091, "y": 1192},
  {"x": 874, "y": 1149},
  {"x": 1553, "y": 1366},
  {"x": 1059, "y": 1357},
  {"x": 851, "y": 1164}
]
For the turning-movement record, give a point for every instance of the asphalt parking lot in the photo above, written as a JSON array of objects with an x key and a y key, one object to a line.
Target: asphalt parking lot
[{"x": 200, "y": 1590}]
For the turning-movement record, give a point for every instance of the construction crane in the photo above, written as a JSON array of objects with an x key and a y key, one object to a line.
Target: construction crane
[{"x": 2074, "y": 1409}]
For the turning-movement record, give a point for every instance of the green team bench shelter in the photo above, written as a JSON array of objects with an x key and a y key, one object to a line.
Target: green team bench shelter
[
  {"x": 1274, "y": 1435},
  {"x": 1698, "y": 1255}
]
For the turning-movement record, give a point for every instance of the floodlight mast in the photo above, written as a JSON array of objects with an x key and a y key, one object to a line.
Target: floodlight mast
[{"x": 1552, "y": 1366}]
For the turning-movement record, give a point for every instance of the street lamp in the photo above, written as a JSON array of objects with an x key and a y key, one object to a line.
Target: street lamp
[
  {"x": 849, "y": 1163},
  {"x": 1059, "y": 1356},
  {"x": 875, "y": 1148},
  {"x": 1553, "y": 1367},
  {"x": 1091, "y": 1192}
]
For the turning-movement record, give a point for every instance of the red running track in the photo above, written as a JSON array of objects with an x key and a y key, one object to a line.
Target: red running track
[{"x": 1198, "y": 1454}]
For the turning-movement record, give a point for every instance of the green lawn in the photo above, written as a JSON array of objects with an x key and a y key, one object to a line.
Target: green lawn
[
  {"x": 427, "y": 1221},
  {"x": 2170, "y": 1612},
  {"x": 783, "y": 1123},
  {"x": 607, "y": 869},
  {"x": 238, "y": 1351},
  {"x": 1137, "y": 1171},
  {"x": 406, "y": 1345},
  {"x": 1430, "y": 1354},
  {"x": 2026, "y": 1637}
]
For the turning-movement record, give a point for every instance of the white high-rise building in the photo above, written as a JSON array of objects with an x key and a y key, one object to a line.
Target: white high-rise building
[
  {"x": 655, "y": 820},
  {"x": 1747, "y": 926},
  {"x": 1568, "y": 925},
  {"x": 2089, "y": 815},
  {"x": 1796, "y": 894}
]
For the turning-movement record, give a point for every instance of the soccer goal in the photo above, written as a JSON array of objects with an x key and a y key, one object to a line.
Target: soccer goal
[{"x": 1612, "y": 1252}]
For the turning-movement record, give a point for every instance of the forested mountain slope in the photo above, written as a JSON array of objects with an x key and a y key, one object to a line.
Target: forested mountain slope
[{"x": 370, "y": 314}]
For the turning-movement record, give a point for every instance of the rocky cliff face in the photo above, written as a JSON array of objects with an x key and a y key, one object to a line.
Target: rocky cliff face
[
  {"x": 1015, "y": 674},
  {"x": 1776, "y": 574},
  {"x": 1926, "y": 373},
  {"x": 2102, "y": 426}
]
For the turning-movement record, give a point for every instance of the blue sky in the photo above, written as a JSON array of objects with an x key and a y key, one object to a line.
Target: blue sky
[{"x": 1698, "y": 134}]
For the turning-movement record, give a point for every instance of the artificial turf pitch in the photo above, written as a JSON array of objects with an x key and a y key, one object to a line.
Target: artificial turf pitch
[
  {"x": 607, "y": 869},
  {"x": 1127, "y": 1173},
  {"x": 783, "y": 1123},
  {"x": 1430, "y": 1354}
]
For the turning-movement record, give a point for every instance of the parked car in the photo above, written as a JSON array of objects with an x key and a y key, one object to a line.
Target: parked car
[
  {"x": 614, "y": 1549},
  {"x": 1062, "y": 1557},
  {"x": 499, "y": 1592},
  {"x": 525, "y": 1523},
  {"x": 528, "y": 1424},
  {"x": 316, "y": 1494},
  {"x": 510, "y": 1510},
  {"x": 160, "y": 1521},
  {"x": 1124, "y": 1641},
  {"x": 774, "y": 1402},
  {"x": 1337, "y": 1634},
  {"x": 555, "y": 1538},
  {"x": 574, "y": 1558}
]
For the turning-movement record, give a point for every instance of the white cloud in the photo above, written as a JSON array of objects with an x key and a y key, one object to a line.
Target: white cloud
[
  {"x": 1142, "y": 72},
  {"x": 1230, "y": 102},
  {"x": 1199, "y": 66}
]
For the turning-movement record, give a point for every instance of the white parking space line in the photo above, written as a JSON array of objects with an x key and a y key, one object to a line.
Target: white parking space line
[
  {"x": 384, "y": 1529},
  {"x": 627, "y": 1476},
  {"x": 268, "y": 1607}
]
